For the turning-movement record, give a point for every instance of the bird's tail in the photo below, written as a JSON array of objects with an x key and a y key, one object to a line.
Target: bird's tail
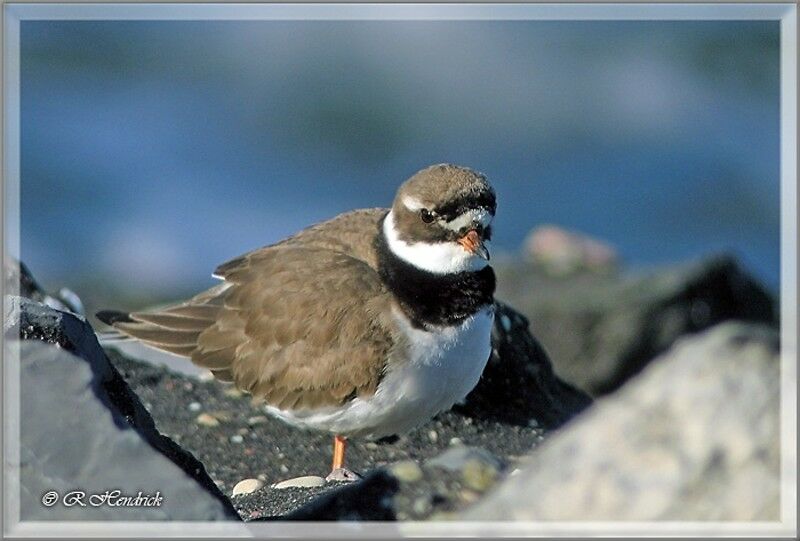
[{"x": 175, "y": 328}]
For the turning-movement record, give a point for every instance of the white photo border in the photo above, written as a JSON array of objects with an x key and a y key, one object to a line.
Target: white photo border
[{"x": 786, "y": 13}]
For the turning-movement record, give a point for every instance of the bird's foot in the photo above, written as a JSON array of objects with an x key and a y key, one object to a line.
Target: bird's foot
[{"x": 343, "y": 475}]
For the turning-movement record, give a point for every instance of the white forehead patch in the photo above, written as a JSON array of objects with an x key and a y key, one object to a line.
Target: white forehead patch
[
  {"x": 435, "y": 257},
  {"x": 412, "y": 204},
  {"x": 480, "y": 216}
]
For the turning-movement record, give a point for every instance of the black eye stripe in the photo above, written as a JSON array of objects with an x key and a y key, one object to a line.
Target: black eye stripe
[{"x": 454, "y": 209}]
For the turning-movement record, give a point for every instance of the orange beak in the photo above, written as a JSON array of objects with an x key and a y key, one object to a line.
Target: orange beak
[{"x": 473, "y": 244}]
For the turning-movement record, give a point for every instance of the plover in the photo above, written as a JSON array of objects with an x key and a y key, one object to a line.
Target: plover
[{"x": 365, "y": 325}]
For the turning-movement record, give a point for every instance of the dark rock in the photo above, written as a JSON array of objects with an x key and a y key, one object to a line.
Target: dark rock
[
  {"x": 84, "y": 429},
  {"x": 436, "y": 489},
  {"x": 518, "y": 385},
  {"x": 694, "y": 437},
  {"x": 368, "y": 499},
  {"x": 601, "y": 330}
]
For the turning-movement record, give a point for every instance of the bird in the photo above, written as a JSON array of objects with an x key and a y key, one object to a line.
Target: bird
[{"x": 363, "y": 326}]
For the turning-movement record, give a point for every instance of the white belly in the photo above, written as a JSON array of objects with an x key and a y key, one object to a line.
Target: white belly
[{"x": 439, "y": 369}]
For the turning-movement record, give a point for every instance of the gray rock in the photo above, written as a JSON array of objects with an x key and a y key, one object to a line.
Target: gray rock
[
  {"x": 601, "y": 330},
  {"x": 82, "y": 429},
  {"x": 368, "y": 499},
  {"x": 694, "y": 437},
  {"x": 557, "y": 251},
  {"x": 20, "y": 282}
]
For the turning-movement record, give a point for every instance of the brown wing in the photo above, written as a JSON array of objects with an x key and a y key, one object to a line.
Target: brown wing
[
  {"x": 351, "y": 233},
  {"x": 302, "y": 328}
]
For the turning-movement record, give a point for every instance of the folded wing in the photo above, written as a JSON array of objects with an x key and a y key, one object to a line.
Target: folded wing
[{"x": 302, "y": 328}]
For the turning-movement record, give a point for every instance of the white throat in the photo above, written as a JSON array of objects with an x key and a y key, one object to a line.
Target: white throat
[{"x": 435, "y": 257}]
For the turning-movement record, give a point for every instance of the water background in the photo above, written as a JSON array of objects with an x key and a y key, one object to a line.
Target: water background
[{"x": 152, "y": 151}]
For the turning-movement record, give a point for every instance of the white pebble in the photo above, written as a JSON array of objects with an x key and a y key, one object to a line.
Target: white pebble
[
  {"x": 304, "y": 481},
  {"x": 433, "y": 436},
  {"x": 207, "y": 420},
  {"x": 237, "y": 438},
  {"x": 256, "y": 420},
  {"x": 195, "y": 406},
  {"x": 246, "y": 486},
  {"x": 456, "y": 441}
]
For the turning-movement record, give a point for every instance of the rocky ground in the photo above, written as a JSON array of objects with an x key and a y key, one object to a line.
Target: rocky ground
[
  {"x": 236, "y": 441},
  {"x": 684, "y": 425}
]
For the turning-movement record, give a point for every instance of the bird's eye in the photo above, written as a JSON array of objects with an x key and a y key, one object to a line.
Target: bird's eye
[{"x": 426, "y": 216}]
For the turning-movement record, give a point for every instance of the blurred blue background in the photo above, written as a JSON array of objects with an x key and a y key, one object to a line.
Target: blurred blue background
[{"x": 153, "y": 151}]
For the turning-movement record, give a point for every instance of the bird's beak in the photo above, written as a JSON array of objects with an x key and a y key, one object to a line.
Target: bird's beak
[{"x": 473, "y": 243}]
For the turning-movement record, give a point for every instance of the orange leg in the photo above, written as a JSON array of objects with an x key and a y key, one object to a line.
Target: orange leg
[{"x": 339, "y": 447}]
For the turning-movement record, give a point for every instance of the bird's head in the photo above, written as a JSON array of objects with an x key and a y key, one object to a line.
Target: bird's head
[{"x": 441, "y": 219}]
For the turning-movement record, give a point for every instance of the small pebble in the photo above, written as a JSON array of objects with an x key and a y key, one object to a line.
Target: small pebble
[
  {"x": 284, "y": 468},
  {"x": 246, "y": 486},
  {"x": 222, "y": 415},
  {"x": 257, "y": 420},
  {"x": 304, "y": 481},
  {"x": 207, "y": 420},
  {"x": 456, "y": 441},
  {"x": 205, "y": 375},
  {"x": 242, "y": 431},
  {"x": 237, "y": 438},
  {"x": 456, "y": 458},
  {"x": 342, "y": 475},
  {"x": 421, "y": 505},
  {"x": 478, "y": 475},
  {"x": 407, "y": 471},
  {"x": 233, "y": 392},
  {"x": 195, "y": 406},
  {"x": 371, "y": 445},
  {"x": 433, "y": 436}
]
